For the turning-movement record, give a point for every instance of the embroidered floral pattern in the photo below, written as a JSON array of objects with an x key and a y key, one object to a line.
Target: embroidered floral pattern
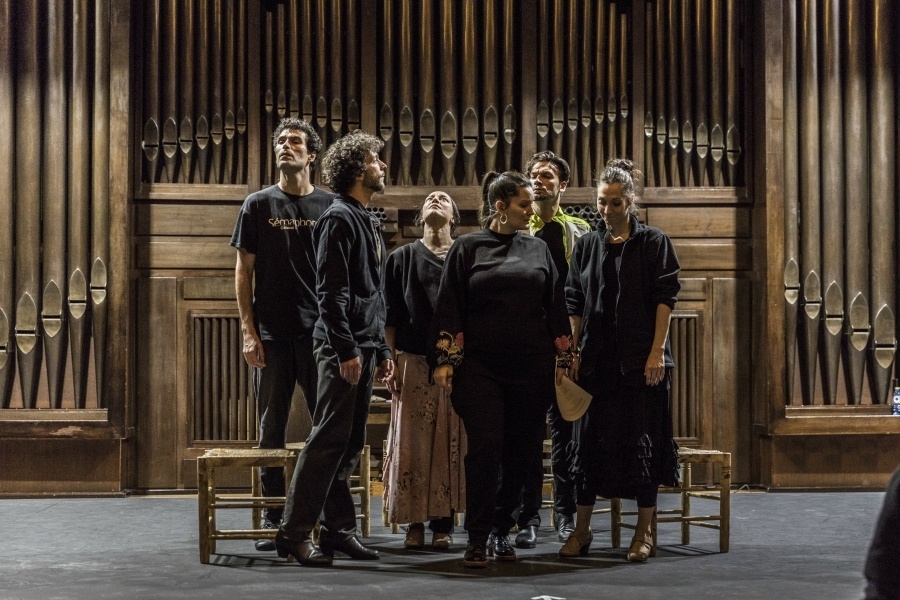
[
  {"x": 450, "y": 349},
  {"x": 565, "y": 351}
]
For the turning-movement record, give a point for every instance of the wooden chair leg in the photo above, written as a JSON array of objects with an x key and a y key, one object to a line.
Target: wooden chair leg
[
  {"x": 686, "y": 482},
  {"x": 365, "y": 496},
  {"x": 725, "y": 504},
  {"x": 203, "y": 506},
  {"x": 615, "y": 521}
]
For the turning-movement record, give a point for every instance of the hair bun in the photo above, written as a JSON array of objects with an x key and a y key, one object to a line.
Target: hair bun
[{"x": 621, "y": 163}]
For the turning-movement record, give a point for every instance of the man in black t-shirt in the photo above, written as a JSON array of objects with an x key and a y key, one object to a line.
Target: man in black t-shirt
[{"x": 273, "y": 237}]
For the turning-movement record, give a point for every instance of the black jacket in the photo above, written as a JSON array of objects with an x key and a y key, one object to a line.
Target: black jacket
[
  {"x": 350, "y": 259},
  {"x": 648, "y": 277}
]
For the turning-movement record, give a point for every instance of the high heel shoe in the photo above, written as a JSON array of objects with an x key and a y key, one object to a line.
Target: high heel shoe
[
  {"x": 577, "y": 545},
  {"x": 641, "y": 548},
  {"x": 305, "y": 551}
]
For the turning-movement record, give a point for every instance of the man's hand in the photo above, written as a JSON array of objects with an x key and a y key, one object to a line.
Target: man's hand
[
  {"x": 254, "y": 353},
  {"x": 385, "y": 371},
  {"x": 350, "y": 370}
]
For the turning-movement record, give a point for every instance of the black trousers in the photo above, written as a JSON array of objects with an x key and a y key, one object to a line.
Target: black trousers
[
  {"x": 563, "y": 480},
  {"x": 287, "y": 362},
  {"x": 321, "y": 478},
  {"x": 502, "y": 403}
]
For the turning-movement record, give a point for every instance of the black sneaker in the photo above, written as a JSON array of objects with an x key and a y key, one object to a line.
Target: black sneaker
[
  {"x": 475, "y": 557},
  {"x": 499, "y": 547},
  {"x": 267, "y": 544}
]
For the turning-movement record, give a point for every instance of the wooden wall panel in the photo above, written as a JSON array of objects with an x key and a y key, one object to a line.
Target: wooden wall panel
[{"x": 158, "y": 365}]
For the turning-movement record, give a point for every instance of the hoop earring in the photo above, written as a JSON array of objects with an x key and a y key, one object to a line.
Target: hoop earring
[{"x": 503, "y": 218}]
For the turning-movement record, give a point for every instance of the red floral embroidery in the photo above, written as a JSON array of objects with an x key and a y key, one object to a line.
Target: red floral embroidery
[
  {"x": 459, "y": 340},
  {"x": 562, "y": 343}
]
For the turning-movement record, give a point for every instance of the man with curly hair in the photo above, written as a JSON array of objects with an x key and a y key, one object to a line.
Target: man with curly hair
[
  {"x": 350, "y": 351},
  {"x": 274, "y": 242}
]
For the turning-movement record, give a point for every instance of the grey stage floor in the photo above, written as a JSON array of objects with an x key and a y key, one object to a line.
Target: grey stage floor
[{"x": 783, "y": 545}]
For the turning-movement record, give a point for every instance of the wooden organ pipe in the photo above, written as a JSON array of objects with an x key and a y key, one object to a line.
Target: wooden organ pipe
[
  {"x": 622, "y": 82},
  {"x": 601, "y": 60},
  {"x": 543, "y": 49},
  {"x": 650, "y": 171},
  {"x": 586, "y": 81},
  {"x": 557, "y": 81},
  {"x": 612, "y": 78},
  {"x": 100, "y": 194},
  {"x": 732, "y": 64},
  {"x": 151, "y": 140},
  {"x": 186, "y": 85},
  {"x": 407, "y": 122},
  {"x": 659, "y": 99},
  {"x": 282, "y": 56},
  {"x": 470, "y": 130},
  {"x": 240, "y": 98},
  {"x": 169, "y": 108},
  {"x": 28, "y": 198},
  {"x": 229, "y": 126},
  {"x": 322, "y": 70},
  {"x": 354, "y": 117},
  {"x": 307, "y": 50},
  {"x": 217, "y": 123},
  {"x": 882, "y": 154},
  {"x": 572, "y": 107},
  {"x": 449, "y": 117},
  {"x": 337, "y": 60},
  {"x": 491, "y": 117},
  {"x": 832, "y": 198},
  {"x": 791, "y": 197},
  {"x": 386, "y": 115},
  {"x": 202, "y": 133},
  {"x": 428, "y": 116},
  {"x": 293, "y": 25},
  {"x": 7, "y": 204},
  {"x": 673, "y": 76},
  {"x": 856, "y": 242},
  {"x": 810, "y": 241},
  {"x": 79, "y": 233},
  {"x": 686, "y": 53},
  {"x": 510, "y": 119},
  {"x": 716, "y": 135},
  {"x": 701, "y": 137},
  {"x": 54, "y": 207}
]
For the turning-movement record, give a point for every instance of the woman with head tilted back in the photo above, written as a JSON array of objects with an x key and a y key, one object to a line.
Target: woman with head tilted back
[
  {"x": 502, "y": 337},
  {"x": 423, "y": 465},
  {"x": 621, "y": 288}
]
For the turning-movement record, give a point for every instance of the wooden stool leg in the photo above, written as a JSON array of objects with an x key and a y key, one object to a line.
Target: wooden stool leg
[
  {"x": 203, "y": 505},
  {"x": 615, "y": 521},
  {"x": 365, "y": 496},
  {"x": 725, "y": 504},
  {"x": 211, "y": 477},
  {"x": 686, "y": 483},
  {"x": 256, "y": 491},
  {"x": 653, "y": 536}
]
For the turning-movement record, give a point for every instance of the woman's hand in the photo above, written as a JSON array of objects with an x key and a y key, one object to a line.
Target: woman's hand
[
  {"x": 443, "y": 376},
  {"x": 655, "y": 369},
  {"x": 573, "y": 369}
]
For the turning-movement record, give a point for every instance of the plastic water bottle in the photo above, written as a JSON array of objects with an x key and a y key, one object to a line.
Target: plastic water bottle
[{"x": 895, "y": 405}]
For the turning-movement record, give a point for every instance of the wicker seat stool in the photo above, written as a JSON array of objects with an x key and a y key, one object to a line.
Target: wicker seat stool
[
  {"x": 721, "y": 521},
  {"x": 209, "y": 500}
]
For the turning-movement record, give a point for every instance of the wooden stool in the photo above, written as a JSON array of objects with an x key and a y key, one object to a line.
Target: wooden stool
[
  {"x": 363, "y": 487},
  {"x": 209, "y": 500},
  {"x": 547, "y": 465},
  {"x": 720, "y": 521}
]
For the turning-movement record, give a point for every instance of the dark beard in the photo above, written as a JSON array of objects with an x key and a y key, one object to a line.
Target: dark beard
[{"x": 376, "y": 184}]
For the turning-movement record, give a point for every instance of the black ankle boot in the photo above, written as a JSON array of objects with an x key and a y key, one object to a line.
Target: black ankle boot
[
  {"x": 304, "y": 551},
  {"x": 348, "y": 544},
  {"x": 475, "y": 557},
  {"x": 499, "y": 547}
]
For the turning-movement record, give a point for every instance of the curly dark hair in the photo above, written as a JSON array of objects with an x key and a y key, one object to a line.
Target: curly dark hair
[
  {"x": 562, "y": 167},
  {"x": 313, "y": 141},
  {"x": 346, "y": 159}
]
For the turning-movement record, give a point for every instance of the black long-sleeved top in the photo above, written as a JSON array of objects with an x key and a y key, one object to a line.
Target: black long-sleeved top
[
  {"x": 500, "y": 297},
  {"x": 648, "y": 277},
  {"x": 411, "y": 288},
  {"x": 350, "y": 258}
]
